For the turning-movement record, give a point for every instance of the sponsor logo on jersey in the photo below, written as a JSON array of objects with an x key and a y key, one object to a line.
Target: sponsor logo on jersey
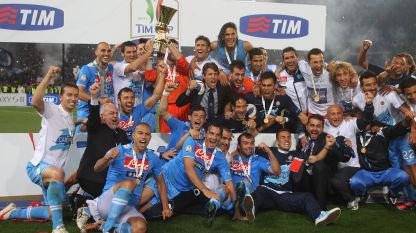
[
  {"x": 274, "y": 26},
  {"x": 27, "y": 17},
  {"x": 130, "y": 163}
]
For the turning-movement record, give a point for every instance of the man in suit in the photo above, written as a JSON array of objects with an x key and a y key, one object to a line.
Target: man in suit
[
  {"x": 214, "y": 98},
  {"x": 103, "y": 134}
]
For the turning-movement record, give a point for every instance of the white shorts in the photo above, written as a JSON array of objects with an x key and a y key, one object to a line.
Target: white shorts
[{"x": 104, "y": 204}]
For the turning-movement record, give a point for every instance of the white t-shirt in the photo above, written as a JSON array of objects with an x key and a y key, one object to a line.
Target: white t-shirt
[
  {"x": 133, "y": 80},
  {"x": 386, "y": 108},
  {"x": 344, "y": 97},
  {"x": 323, "y": 87},
  {"x": 296, "y": 90},
  {"x": 200, "y": 65},
  {"x": 55, "y": 136},
  {"x": 348, "y": 129}
]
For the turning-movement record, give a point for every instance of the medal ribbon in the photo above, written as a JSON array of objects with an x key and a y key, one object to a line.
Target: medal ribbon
[
  {"x": 208, "y": 163},
  {"x": 365, "y": 144},
  {"x": 136, "y": 167},
  {"x": 264, "y": 107},
  {"x": 228, "y": 56},
  {"x": 246, "y": 170}
]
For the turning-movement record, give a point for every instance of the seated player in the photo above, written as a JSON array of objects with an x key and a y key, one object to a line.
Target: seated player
[
  {"x": 278, "y": 188},
  {"x": 185, "y": 174},
  {"x": 246, "y": 169},
  {"x": 128, "y": 168}
]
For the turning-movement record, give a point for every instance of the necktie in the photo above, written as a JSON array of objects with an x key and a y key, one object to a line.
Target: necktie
[{"x": 211, "y": 108}]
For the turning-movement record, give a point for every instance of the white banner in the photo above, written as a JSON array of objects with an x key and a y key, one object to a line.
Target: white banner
[
  {"x": 7, "y": 99},
  {"x": 270, "y": 25},
  {"x": 14, "y": 180}
]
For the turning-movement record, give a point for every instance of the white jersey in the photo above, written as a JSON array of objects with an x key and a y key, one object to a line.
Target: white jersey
[
  {"x": 344, "y": 97},
  {"x": 348, "y": 129},
  {"x": 295, "y": 88},
  {"x": 386, "y": 108},
  {"x": 55, "y": 136},
  {"x": 321, "y": 86},
  {"x": 200, "y": 65},
  {"x": 133, "y": 80}
]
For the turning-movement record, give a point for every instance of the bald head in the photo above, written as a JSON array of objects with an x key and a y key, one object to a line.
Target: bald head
[
  {"x": 109, "y": 115},
  {"x": 103, "y": 53},
  {"x": 335, "y": 115}
]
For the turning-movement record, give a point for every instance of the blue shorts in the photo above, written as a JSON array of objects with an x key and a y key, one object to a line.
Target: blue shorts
[
  {"x": 401, "y": 152},
  {"x": 35, "y": 175}
]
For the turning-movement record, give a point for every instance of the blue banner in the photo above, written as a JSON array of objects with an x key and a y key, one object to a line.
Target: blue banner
[{"x": 53, "y": 98}]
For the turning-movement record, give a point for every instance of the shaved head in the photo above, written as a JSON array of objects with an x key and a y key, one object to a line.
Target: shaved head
[{"x": 335, "y": 115}]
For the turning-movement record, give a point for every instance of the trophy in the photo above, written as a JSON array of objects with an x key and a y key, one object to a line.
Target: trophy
[{"x": 161, "y": 40}]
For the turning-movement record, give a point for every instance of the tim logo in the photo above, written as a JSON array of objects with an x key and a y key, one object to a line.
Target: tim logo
[
  {"x": 130, "y": 163},
  {"x": 274, "y": 26},
  {"x": 27, "y": 17}
]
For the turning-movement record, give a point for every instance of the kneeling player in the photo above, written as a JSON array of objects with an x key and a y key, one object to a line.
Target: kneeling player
[
  {"x": 129, "y": 166},
  {"x": 185, "y": 173},
  {"x": 278, "y": 189}
]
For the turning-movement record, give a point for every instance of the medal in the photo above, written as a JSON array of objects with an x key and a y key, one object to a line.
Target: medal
[
  {"x": 228, "y": 56},
  {"x": 364, "y": 144},
  {"x": 266, "y": 120},
  {"x": 136, "y": 166},
  {"x": 316, "y": 98}
]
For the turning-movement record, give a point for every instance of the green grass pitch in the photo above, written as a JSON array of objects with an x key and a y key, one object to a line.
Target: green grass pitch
[{"x": 371, "y": 218}]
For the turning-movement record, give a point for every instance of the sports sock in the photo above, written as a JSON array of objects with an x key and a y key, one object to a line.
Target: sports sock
[
  {"x": 119, "y": 201},
  {"x": 55, "y": 194}
]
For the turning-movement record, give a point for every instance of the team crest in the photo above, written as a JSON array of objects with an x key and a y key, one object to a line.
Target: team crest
[{"x": 188, "y": 148}]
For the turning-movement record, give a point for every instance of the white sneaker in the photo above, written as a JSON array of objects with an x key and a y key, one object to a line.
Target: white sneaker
[
  {"x": 60, "y": 229},
  {"x": 82, "y": 217},
  {"x": 248, "y": 206},
  {"x": 6, "y": 211},
  {"x": 327, "y": 217},
  {"x": 353, "y": 205}
]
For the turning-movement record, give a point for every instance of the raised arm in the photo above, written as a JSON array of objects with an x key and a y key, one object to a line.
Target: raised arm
[
  {"x": 136, "y": 64},
  {"x": 157, "y": 93},
  {"x": 163, "y": 107},
  {"x": 105, "y": 161},
  {"x": 37, "y": 99},
  {"x": 329, "y": 143},
  {"x": 275, "y": 166},
  {"x": 362, "y": 54}
]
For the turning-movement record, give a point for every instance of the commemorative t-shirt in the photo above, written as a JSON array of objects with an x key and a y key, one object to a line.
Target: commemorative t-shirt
[
  {"x": 128, "y": 122},
  {"x": 386, "y": 108},
  {"x": 133, "y": 80},
  {"x": 323, "y": 88},
  {"x": 347, "y": 129},
  {"x": 55, "y": 136}
]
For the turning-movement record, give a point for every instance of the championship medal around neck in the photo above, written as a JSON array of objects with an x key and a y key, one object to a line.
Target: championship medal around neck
[
  {"x": 266, "y": 120},
  {"x": 316, "y": 98},
  {"x": 363, "y": 150}
]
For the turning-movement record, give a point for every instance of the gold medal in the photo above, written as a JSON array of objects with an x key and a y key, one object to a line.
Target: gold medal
[
  {"x": 363, "y": 150},
  {"x": 206, "y": 172},
  {"x": 266, "y": 120},
  {"x": 137, "y": 181},
  {"x": 316, "y": 98}
]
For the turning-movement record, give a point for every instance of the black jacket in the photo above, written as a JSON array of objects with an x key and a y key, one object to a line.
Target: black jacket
[
  {"x": 224, "y": 96},
  {"x": 100, "y": 140}
]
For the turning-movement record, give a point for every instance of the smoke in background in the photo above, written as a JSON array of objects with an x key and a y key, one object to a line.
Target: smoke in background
[{"x": 390, "y": 24}]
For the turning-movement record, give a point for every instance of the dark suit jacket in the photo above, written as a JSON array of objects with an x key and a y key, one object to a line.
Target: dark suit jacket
[
  {"x": 224, "y": 97},
  {"x": 100, "y": 140}
]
